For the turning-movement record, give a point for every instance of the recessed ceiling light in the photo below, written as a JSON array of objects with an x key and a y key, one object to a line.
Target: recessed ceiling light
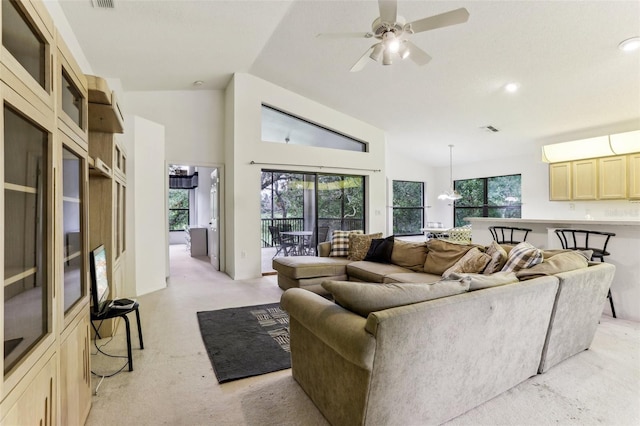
[
  {"x": 512, "y": 87},
  {"x": 198, "y": 83},
  {"x": 630, "y": 44}
]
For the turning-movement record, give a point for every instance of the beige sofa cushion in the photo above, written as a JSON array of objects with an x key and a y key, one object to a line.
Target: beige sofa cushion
[
  {"x": 411, "y": 277},
  {"x": 409, "y": 254},
  {"x": 364, "y": 298},
  {"x": 498, "y": 258},
  {"x": 442, "y": 255},
  {"x": 480, "y": 281},
  {"x": 473, "y": 261},
  {"x": 359, "y": 245},
  {"x": 562, "y": 262},
  {"x": 372, "y": 271},
  {"x": 310, "y": 266}
]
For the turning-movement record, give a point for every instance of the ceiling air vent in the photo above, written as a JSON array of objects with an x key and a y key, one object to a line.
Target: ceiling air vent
[
  {"x": 103, "y": 4},
  {"x": 490, "y": 129}
]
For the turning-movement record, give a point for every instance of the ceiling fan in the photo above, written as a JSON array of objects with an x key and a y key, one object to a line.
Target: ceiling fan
[{"x": 393, "y": 33}]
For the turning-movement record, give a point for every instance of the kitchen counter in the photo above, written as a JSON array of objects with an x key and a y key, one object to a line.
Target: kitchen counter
[{"x": 624, "y": 249}]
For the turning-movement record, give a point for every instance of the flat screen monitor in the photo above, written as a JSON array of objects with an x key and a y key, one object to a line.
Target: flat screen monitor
[{"x": 99, "y": 281}]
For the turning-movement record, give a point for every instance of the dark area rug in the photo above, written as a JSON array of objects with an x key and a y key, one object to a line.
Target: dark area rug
[{"x": 247, "y": 341}]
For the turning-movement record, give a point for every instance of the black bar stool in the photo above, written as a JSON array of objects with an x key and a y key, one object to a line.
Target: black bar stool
[
  {"x": 121, "y": 313},
  {"x": 508, "y": 234},
  {"x": 578, "y": 239}
]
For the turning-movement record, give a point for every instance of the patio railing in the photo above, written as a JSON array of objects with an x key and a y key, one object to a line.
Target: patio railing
[{"x": 297, "y": 224}]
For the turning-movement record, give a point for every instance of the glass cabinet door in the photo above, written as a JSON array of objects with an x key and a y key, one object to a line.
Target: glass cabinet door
[
  {"x": 26, "y": 250},
  {"x": 72, "y": 237}
]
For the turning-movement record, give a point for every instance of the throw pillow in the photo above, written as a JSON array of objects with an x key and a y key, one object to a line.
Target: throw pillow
[
  {"x": 442, "y": 255},
  {"x": 522, "y": 256},
  {"x": 474, "y": 261},
  {"x": 359, "y": 245},
  {"x": 562, "y": 262},
  {"x": 498, "y": 258},
  {"x": 380, "y": 250},
  {"x": 364, "y": 298},
  {"x": 480, "y": 281},
  {"x": 340, "y": 243},
  {"x": 409, "y": 254}
]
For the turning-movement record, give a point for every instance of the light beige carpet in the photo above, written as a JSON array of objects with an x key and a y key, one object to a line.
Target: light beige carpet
[{"x": 173, "y": 382}]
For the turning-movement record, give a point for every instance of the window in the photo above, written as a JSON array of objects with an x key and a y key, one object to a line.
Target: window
[
  {"x": 178, "y": 209},
  {"x": 282, "y": 127},
  {"x": 498, "y": 196},
  {"x": 298, "y": 201},
  {"x": 408, "y": 207}
]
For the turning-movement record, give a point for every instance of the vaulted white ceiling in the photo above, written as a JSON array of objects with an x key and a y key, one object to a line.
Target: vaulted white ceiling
[{"x": 573, "y": 78}]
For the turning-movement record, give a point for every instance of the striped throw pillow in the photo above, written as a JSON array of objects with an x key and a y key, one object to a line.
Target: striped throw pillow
[{"x": 522, "y": 256}]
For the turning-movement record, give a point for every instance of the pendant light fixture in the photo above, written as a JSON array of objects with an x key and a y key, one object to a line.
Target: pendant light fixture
[{"x": 451, "y": 194}]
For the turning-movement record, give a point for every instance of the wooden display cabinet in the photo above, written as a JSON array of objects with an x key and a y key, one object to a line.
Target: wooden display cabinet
[
  {"x": 44, "y": 215},
  {"x": 107, "y": 187}
]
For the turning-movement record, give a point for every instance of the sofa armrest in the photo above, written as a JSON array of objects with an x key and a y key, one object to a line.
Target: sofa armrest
[
  {"x": 324, "y": 249},
  {"x": 338, "y": 328}
]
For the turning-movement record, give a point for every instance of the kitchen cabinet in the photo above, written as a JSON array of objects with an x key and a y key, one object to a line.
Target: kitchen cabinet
[
  {"x": 612, "y": 178},
  {"x": 560, "y": 181}
]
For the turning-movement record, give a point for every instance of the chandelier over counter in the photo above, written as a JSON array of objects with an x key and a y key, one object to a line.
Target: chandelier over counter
[{"x": 450, "y": 194}]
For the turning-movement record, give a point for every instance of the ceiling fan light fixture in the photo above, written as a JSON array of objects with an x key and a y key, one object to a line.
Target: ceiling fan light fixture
[
  {"x": 404, "y": 51},
  {"x": 391, "y": 42},
  {"x": 376, "y": 54},
  {"x": 386, "y": 57}
]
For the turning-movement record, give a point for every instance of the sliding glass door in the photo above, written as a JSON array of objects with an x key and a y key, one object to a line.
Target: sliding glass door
[{"x": 298, "y": 203}]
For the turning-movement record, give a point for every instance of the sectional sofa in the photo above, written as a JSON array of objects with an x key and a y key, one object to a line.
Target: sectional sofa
[{"x": 377, "y": 354}]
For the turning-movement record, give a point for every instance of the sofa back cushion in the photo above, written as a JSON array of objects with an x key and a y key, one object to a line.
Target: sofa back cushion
[
  {"x": 473, "y": 261},
  {"x": 340, "y": 242},
  {"x": 562, "y": 262},
  {"x": 364, "y": 298},
  {"x": 409, "y": 254},
  {"x": 442, "y": 255},
  {"x": 359, "y": 245},
  {"x": 498, "y": 258}
]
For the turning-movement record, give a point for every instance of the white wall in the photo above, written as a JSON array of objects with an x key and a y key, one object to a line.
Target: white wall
[
  {"x": 243, "y": 145},
  {"x": 193, "y": 121},
  {"x": 146, "y": 206}
]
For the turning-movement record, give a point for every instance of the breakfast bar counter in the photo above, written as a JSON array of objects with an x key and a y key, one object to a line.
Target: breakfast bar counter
[{"x": 624, "y": 249}]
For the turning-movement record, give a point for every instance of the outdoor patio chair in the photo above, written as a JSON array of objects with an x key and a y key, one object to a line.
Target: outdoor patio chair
[{"x": 283, "y": 244}]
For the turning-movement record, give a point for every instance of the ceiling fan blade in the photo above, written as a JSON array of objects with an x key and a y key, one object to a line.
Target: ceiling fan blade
[
  {"x": 453, "y": 17},
  {"x": 388, "y": 10},
  {"x": 416, "y": 54},
  {"x": 344, "y": 35},
  {"x": 362, "y": 61}
]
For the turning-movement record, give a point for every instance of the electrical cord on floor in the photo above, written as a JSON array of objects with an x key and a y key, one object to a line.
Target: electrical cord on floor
[{"x": 99, "y": 350}]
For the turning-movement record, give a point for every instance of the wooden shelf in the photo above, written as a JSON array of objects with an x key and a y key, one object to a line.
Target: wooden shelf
[
  {"x": 104, "y": 111},
  {"x": 97, "y": 167}
]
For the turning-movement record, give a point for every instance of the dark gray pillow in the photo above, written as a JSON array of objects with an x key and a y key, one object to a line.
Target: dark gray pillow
[{"x": 380, "y": 250}]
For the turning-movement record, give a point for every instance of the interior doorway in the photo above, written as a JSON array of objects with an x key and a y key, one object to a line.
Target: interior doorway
[{"x": 194, "y": 212}]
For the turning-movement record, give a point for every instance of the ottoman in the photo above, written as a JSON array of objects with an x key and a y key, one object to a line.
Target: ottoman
[{"x": 308, "y": 272}]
